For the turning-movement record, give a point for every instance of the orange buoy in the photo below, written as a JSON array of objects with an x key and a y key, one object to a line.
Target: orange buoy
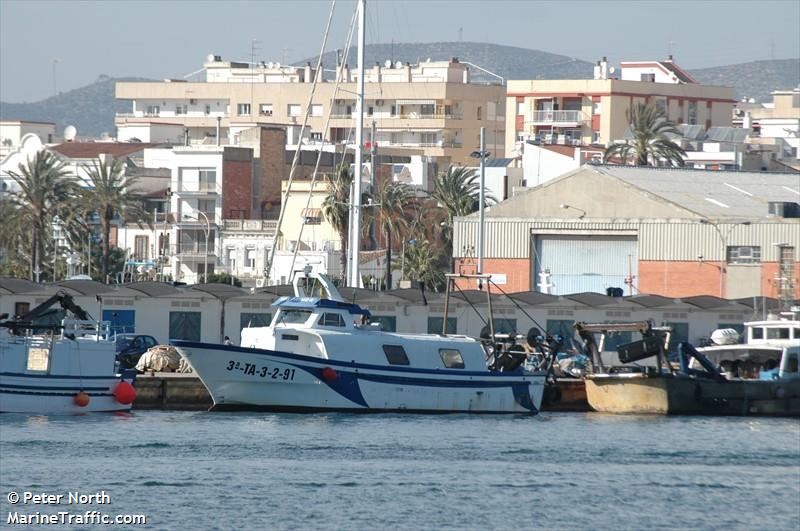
[
  {"x": 81, "y": 399},
  {"x": 329, "y": 374},
  {"x": 124, "y": 393}
]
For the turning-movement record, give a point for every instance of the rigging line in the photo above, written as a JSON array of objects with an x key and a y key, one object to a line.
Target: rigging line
[
  {"x": 472, "y": 305},
  {"x": 520, "y": 307},
  {"x": 317, "y": 76},
  {"x": 339, "y": 76}
]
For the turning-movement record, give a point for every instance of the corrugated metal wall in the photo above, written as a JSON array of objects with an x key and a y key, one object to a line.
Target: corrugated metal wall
[{"x": 658, "y": 240}]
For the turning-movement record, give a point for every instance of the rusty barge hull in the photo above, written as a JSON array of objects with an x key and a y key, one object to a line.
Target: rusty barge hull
[{"x": 677, "y": 395}]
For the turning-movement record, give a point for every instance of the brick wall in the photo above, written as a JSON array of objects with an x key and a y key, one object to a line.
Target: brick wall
[
  {"x": 237, "y": 183},
  {"x": 517, "y": 271},
  {"x": 272, "y": 147},
  {"x": 686, "y": 279}
]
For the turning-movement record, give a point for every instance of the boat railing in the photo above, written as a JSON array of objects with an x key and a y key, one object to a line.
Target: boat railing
[{"x": 74, "y": 328}]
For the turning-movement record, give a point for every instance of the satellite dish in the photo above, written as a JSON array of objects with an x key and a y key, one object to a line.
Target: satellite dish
[
  {"x": 387, "y": 64},
  {"x": 398, "y": 64},
  {"x": 70, "y": 132},
  {"x": 210, "y": 58},
  {"x": 428, "y": 60},
  {"x": 611, "y": 70}
]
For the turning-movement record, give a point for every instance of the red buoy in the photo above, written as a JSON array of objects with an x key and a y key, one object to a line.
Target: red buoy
[
  {"x": 124, "y": 393},
  {"x": 329, "y": 374},
  {"x": 81, "y": 399}
]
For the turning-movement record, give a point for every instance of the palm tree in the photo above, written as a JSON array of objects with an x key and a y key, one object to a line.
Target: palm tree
[
  {"x": 44, "y": 190},
  {"x": 456, "y": 191},
  {"x": 336, "y": 210},
  {"x": 420, "y": 263},
  {"x": 110, "y": 192},
  {"x": 651, "y": 142},
  {"x": 391, "y": 204}
]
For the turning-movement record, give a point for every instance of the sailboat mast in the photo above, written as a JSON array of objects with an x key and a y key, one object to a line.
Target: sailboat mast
[{"x": 355, "y": 200}]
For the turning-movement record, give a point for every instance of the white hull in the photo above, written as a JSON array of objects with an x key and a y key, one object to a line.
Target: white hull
[
  {"x": 22, "y": 393},
  {"x": 249, "y": 378}
]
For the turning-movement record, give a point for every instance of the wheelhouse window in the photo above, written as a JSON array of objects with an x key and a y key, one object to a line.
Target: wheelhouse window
[
  {"x": 395, "y": 355},
  {"x": 294, "y": 316},
  {"x": 451, "y": 358},
  {"x": 331, "y": 319},
  {"x": 38, "y": 359}
]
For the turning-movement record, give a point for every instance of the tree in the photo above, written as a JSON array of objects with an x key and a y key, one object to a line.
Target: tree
[
  {"x": 456, "y": 191},
  {"x": 651, "y": 142},
  {"x": 224, "y": 278},
  {"x": 335, "y": 208},
  {"x": 45, "y": 191},
  {"x": 109, "y": 192},
  {"x": 420, "y": 263},
  {"x": 391, "y": 205}
]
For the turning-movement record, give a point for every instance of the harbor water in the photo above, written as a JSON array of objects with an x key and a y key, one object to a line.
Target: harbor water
[{"x": 199, "y": 470}]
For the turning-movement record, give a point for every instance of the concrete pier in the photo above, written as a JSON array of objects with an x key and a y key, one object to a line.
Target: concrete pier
[{"x": 170, "y": 390}]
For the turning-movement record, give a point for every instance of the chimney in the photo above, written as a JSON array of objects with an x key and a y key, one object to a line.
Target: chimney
[
  {"x": 669, "y": 57},
  {"x": 346, "y": 75},
  {"x": 307, "y": 73},
  {"x": 378, "y": 71},
  {"x": 596, "y": 70},
  {"x": 604, "y": 68}
]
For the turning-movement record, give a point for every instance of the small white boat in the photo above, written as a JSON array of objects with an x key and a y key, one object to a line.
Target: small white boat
[
  {"x": 66, "y": 368},
  {"x": 315, "y": 356}
]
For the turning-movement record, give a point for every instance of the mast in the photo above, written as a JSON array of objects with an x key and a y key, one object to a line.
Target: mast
[{"x": 355, "y": 199}]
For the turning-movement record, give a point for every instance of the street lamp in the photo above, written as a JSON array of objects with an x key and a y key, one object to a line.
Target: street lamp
[
  {"x": 566, "y": 206},
  {"x": 207, "y": 230},
  {"x": 482, "y": 155},
  {"x": 723, "y": 270}
]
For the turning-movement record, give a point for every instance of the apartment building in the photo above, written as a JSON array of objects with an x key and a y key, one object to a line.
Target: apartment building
[
  {"x": 592, "y": 111},
  {"x": 13, "y": 131},
  {"x": 432, "y": 108}
]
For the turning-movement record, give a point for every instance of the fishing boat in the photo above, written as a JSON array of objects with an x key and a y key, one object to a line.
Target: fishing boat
[
  {"x": 320, "y": 353},
  {"x": 758, "y": 378},
  {"x": 68, "y": 366}
]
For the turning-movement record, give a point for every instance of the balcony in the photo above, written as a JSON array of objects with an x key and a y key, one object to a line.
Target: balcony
[
  {"x": 559, "y": 118},
  {"x": 250, "y": 225},
  {"x": 193, "y": 189},
  {"x": 196, "y": 249},
  {"x": 194, "y": 220}
]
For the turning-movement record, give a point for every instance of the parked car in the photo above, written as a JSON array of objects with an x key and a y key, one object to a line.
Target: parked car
[{"x": 130, "y": 348}]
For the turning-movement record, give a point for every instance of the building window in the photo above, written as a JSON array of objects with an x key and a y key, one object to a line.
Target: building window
[
  {"x": 231, "y": 259},
  {"x": 265, "y": 109},
  {"x": 395, "y": 355},
  {"x": 331, "y": 319},
  {"x": 184, "y": 325},
  {"x": 595, "y": 137},
  {"x": 744, "y": 254},
  {"x": 208, "y": 110},
  {"x": 180, "y": 109},
  {"x": 480, "y": 113},
  {"x": 661, "y": 105},
  {"x": 596, "y": 107},
  {"x": 207, "y": 207},
  {"x": 427, "y": 109},
  {"x": 250, "y": 262},
  {"x": 140, "y": 248},
  {"x": 435, "y": 325},
  {"x": 520, "y": 108},
  {"x": 394, "y": 110},
  {"x": 316, "y": 109},
  {"x": 451, "y": 358},
  {"x": 649, "y": 78},
  {"x": 293, "y": 109},
  {"x": 152, "y": 110},
  {"x": 692, "y": 113},
  {"x": 207, "y": 180},
  {"x": 243, "y": 109},
  {"x": 317, "y": 137},
  {"x": 254, "y": 320},
  {"x": 429, "y": 139}
]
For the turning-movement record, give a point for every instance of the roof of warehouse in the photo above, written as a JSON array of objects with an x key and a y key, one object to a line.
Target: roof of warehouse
[{"x": 712, "y": 194}]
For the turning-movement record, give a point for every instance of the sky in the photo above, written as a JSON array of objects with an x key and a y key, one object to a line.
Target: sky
[{"x": 51, "y": 46}]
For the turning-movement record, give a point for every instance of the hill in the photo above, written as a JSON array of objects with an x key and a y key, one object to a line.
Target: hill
[
  {"x": 92, "y": 108},
  {"x": 755, "y": 79}
]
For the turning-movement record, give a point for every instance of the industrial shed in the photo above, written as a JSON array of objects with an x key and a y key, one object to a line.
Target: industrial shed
[{"x": 670, "y": 232}]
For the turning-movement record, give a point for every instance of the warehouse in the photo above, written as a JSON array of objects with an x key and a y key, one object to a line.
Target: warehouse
[{"x": 669, "y": 232}]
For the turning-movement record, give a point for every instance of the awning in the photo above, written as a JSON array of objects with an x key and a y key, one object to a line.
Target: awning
[
  {"x": 415, "y": 102},
  {"x": 314, "y": 213}
]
